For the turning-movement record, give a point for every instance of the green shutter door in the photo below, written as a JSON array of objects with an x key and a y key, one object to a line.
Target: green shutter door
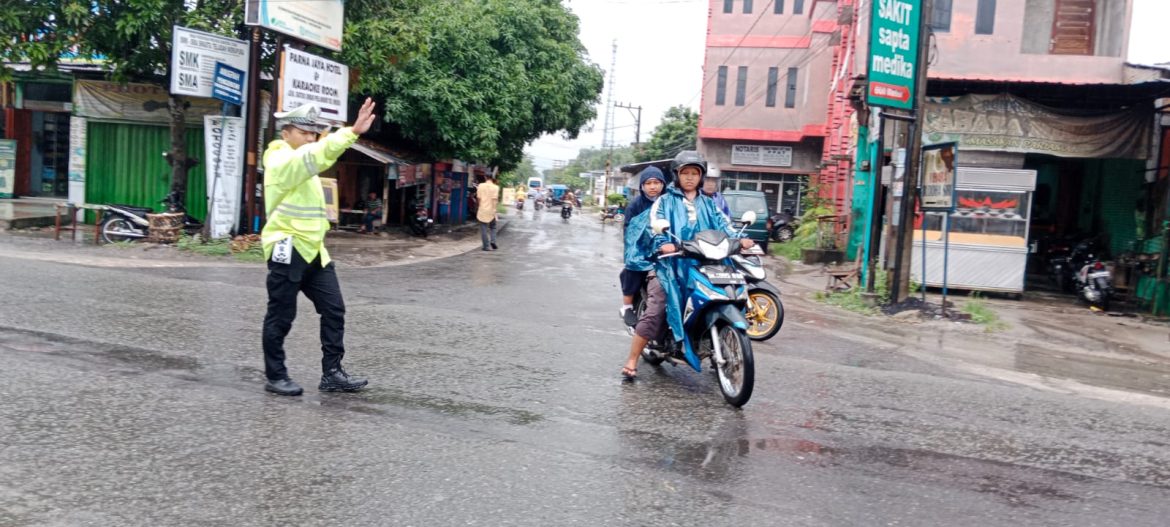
[{"x": 124, "y": 165}]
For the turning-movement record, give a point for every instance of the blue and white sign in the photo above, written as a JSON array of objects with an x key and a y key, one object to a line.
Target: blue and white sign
[
  {"x": 194, "y": 55},
  {"x": 227, "y": 84}
]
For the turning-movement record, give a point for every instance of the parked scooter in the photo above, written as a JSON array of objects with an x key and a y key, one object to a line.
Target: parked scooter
[
  {"x": 420, "y": 222},
  {"x": 1094, "y": 283},
  {"x": 613, "y": 212},
  {"x": 782, "y": 226},
  {"x": 127, "y": 222},
  {"x": 714, "y": 326},
  {"x": 765, "y": 312}
]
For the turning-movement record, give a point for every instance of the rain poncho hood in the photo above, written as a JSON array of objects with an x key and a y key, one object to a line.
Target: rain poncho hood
[{"x": 639, "y": 239}]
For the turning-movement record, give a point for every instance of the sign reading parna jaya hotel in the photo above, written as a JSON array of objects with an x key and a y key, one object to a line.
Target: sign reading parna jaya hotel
[{"x": 893, "y": 53}]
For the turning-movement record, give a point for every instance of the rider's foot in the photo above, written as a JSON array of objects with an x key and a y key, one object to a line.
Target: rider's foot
[
  {"x": 628, "y": 316},
  {"x": 629, "y": 374}
]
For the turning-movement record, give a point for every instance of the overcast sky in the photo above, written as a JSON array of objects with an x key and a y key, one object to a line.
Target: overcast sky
[{"x": 660, "y": 61}]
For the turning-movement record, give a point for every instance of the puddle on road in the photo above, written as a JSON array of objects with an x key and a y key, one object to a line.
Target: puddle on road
[
  {"x": 365, "y": 400},
  {"x": 1151, "y": 379}
]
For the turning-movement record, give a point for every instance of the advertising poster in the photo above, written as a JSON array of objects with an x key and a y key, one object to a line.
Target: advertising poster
[
  {"x": 7, "y": 167},
  {"x": 223, "y": 139},
  {"x": 317, "y": 22},
  {"x": 938, "y": 177},
  {"x": 307, "y": 78}
]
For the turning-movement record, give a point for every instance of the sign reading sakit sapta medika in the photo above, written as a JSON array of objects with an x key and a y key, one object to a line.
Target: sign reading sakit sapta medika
[
  {"x": 893, "y": 53},
  {"x": 307, "y": 78}
]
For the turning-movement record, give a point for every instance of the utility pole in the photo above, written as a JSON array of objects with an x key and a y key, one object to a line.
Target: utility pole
[
  {"x": 251, "y": 133},
  {"x": 607, "y": 140},
  {"x": 900, "y": 281},
  {"x": 637, "y": 120}
]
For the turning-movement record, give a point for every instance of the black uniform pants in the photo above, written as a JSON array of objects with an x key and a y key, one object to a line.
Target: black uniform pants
[{"x": 320, "y": 285}]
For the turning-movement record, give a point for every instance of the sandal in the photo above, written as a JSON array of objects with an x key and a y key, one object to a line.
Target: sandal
[{"x": 629, "y": 374}]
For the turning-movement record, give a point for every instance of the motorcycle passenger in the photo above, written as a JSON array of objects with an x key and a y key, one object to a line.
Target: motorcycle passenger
[
  {"x": 711, "y": 190},
  {"x": 651, "y": 183},
  {"x": 689, "y": 212},
  {"x": 639, "y": 245}
]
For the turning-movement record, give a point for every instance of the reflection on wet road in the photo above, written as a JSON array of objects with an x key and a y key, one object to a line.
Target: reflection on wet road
[{"x": 135, "y": 397}]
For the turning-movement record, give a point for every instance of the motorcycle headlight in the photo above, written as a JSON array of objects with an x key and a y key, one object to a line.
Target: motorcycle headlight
[{"x": 715, "y": 251}]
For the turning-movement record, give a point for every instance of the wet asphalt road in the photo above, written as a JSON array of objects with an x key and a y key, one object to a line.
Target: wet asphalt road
[{"x": 133, "y": 397}]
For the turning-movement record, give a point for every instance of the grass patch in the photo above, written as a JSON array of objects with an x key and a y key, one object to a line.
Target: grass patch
[
  {"x": 242, "y": 248},
  {"x": 789, "y": 250},
  {"x": 848, "y": 300},
  {"x": 124, "y": 244},
  {"x": 982, "y": 314}
]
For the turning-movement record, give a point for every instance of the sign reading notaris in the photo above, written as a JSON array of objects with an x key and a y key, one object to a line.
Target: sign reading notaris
[
  {"x": 311, "y": 79},
  {"x": 893, "y": 53},
  {"x": 761, "y": 155},
  {"x": 194, "y": 55}
]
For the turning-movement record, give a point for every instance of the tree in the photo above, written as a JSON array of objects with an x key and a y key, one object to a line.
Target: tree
[
  {"x": 519, "y": 175},
  {"x": 473, "y": 79},
  {"x": 38, "y": 32},
  {"x": 678, "y": 131}
]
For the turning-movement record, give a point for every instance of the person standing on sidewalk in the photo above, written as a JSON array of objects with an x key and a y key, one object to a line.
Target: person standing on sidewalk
[
  {"x": 488, "y": 194},
  {"x": 294, "y": 243}
]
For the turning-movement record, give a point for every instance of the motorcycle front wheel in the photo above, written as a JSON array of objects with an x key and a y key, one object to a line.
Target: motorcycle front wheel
[
  {"x": 783, "y": 234},
  {"x": 765, "y": 314},
  {"x": 120, "y": 230},
  {"x": 737, "y": 375}
]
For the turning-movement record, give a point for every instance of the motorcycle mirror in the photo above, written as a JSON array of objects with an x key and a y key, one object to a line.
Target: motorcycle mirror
[
  {"x": 749, "y": 217},
  {"x": 660, "y": 225}
]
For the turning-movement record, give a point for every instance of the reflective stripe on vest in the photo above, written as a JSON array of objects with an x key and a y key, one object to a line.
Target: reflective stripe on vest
[{"x": 294, "y": 211}]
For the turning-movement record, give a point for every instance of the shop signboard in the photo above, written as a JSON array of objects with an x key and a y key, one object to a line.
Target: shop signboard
[
  {"x": 317, "y": 22},
  {"x": 761, "y": 155},
  {"x": 309, "y": 79},
  {"x": 893, "y": 53},
  {"x": 7, "y": 167},
  {"x": 194, "y": 56},
  {"x": 228, "y": 84}
]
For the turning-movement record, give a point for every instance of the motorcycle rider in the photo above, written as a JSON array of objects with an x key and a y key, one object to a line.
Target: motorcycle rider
[
  {"x": 689, "y": 212},
  {"x": 651, "y": 183}
]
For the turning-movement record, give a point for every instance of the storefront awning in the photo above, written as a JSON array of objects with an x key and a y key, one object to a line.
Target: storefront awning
[{"x": 378, "y": 153}]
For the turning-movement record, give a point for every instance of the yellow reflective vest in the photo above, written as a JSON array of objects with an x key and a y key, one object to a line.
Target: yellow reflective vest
[{"x": 293, "y": 198}]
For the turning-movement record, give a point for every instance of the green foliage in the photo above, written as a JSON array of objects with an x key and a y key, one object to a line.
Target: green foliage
[
  {"x": 473, "y": 79},
  {"x": 519, "y": 176},
  {"x": 851, "y": 300},
  {"x": 981, "y": 314},
  {"x": 40, "y": 31},
  {"x": 196, "y": 244},
  {"x": 588, "y": 160},
  {"x": 616, "y": 199},
  {"x": 678, "y": 131}
]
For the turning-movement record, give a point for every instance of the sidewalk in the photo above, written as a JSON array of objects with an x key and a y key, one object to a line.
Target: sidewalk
[
  {"x": 349, "y": 249},
  {"x": 1050, "y": 342}
]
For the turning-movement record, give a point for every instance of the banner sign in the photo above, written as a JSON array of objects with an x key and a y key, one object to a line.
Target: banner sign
[
  {"x": 317, "y": 22},
  {"x": 7, "y": 167},
  {"x": 78, "y": 131},
  {"x": 938, "y": 177},
  {"x": 893, "y": 53},
  {"x": 1005, "y": 123},
  {"x": 194, "y": 55},
  {"x": 308, "y": 79},
  {"x": 223, "y": 145},
  {"x": 760, "y": 155}
]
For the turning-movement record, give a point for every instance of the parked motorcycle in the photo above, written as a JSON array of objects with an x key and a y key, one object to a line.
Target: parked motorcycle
[
  {"x": 765, "y": 312},
  {"x": 1094, "y": 283},
  {"x": 714, "y": 326},
  {"x": 420, "y": 222},
  {"x": 782, "y": 226},
  {"x": 613, "y": 212},
  {"x": 128, "y": 222}
]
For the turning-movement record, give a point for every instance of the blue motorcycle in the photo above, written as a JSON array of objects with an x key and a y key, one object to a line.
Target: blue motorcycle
[{"x": 714, "y": 325}]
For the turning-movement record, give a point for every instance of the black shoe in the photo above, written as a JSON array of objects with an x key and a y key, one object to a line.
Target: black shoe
[
  {"x": 494, "y": 247},
  {"x": 629, "y": 316},
  {"x": 339, "y": 381},
  {"x": 486, "y": 249},
  {"x": 283, "y": 387}
]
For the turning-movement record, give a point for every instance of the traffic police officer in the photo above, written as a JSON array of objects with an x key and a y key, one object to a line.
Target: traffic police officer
[{"x": 294, "y": 243}]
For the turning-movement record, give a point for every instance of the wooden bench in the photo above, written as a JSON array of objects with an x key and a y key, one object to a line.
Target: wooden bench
[
  {"x": 843, "y": 278},
  {"x": 71, "y": 210}
]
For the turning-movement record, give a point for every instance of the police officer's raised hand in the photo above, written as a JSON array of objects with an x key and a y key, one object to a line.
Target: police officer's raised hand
[{"x": 365, "y": 117}]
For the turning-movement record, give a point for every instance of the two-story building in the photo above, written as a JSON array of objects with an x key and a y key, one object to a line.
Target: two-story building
[{"x": 765, "y": 96}]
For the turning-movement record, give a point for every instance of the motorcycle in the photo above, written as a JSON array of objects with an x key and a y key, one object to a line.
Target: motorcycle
[
  {"x": 613, "y": 212},
  {"x": 420, "y": 222},
  {"x": 765, "y": 312},
  {"x": 128, "y": 222},
  {"x": 566, "y": 211},
  {"x": 519, "y": 205},
  {"x": 782, "y": 226},
  {"x": 538, "y": 203},
  {"x": 1094, "y": 283},
  {"x": 714, "y": 326}
]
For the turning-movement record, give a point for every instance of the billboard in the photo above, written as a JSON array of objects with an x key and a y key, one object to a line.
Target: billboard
[
  {"x": 317, "y": 22},
  {"x": 194, "y": 55},
  {"x": 307, "y": 78}
]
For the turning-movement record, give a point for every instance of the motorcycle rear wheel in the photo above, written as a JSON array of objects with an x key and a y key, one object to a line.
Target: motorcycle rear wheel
[
  {"x": 783, "y": 234},
  {"x": 119, "y": 230},
  {"x": 737, "y": 375},
  {"x": 765, "y": 314}
]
